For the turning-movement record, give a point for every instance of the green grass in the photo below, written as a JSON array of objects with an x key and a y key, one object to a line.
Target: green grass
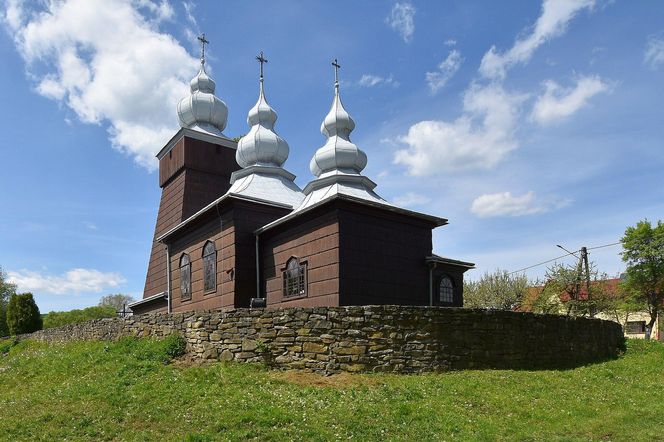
[{"x": 126, "y": 391}]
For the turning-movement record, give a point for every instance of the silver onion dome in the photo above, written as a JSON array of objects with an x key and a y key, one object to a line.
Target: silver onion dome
[
  {"x": 202, "y": 110},
  {"x": 261, "y": 146},
  {"x": 338, "y": 154}
]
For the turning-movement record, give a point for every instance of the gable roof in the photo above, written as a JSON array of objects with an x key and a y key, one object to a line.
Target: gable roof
[{"x": 344, "y": 197}]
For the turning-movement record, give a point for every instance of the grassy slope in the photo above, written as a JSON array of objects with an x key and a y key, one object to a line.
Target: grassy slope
[{"x": 124, "y": 391}]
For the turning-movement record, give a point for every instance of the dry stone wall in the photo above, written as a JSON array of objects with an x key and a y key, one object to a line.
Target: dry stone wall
[{"x": 370, "y": 338}]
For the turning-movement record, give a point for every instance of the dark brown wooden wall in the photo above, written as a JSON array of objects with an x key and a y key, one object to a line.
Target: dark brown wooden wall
[
  {"x": 193, "y": 174},
  {"x": 236, "y": 256},
  {"x": 314, "y": 240},
  {"x": 247, "y": 218},
  {"x": 383, "y": 258},
  {"x": 190, "y": 153},
  {"x": 222, "y": 233},
  {"x": 169, "y": 215}
]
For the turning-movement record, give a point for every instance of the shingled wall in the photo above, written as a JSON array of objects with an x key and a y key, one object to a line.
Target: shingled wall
[{"x": 371, "y": 338}]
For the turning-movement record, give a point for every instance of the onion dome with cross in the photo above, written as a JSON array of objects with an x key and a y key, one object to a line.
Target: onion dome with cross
[
  {"x": 261, "y": 153},
  {"x": 261, "y": 146},
  {"x": 339, "y": 162},
  {"x": 338, "y": 154},
  {"x": 202, "y": 110}
]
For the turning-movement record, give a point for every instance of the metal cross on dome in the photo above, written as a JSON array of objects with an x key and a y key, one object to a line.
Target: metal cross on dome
[
  {"x": 337, "y": 66},
  {"x": 203, "y": 41},
  {"x": 261, "y": 60}
]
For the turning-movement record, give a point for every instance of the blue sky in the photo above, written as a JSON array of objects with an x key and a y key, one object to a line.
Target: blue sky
[{"x": 525, "y": 124}]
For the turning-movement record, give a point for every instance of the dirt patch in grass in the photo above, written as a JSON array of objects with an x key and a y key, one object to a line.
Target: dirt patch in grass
[{"x": 310, "y": 379}]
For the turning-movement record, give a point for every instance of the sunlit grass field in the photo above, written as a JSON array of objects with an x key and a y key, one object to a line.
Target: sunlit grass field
[{"x": 130, "y": 390}]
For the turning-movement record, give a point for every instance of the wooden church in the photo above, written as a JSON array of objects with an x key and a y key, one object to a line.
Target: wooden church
[{"x": 234, "y": 230}]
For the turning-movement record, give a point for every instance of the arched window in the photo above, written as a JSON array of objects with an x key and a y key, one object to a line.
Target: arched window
[
  {"x": 209, "y": 267},
  {"x": 295, "y": 278},
  {"x": 185, "y": 277},
  {"x": 446, "y": 290}
]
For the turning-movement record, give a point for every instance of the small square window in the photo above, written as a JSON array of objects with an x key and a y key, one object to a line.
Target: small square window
[{"x": 635, "y": 327}]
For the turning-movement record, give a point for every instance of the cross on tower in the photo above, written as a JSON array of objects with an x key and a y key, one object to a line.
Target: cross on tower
[
  {"x": 261, "y": 60},
  {"x": 337, "y": 66},
  {"x": 203, "y": 41}
]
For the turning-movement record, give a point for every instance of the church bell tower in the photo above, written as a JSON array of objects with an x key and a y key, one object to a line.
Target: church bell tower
[{"x": 195, "y": 168}]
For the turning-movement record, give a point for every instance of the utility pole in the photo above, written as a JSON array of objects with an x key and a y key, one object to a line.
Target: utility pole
[
  {"x": 584, "y": 256},
  {"x": 579, "y": 269}
]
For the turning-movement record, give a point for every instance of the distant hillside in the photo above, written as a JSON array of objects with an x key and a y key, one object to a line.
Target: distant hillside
[{"x": 57, "y": 319}]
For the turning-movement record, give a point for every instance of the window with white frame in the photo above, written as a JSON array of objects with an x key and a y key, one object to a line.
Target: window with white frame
[
  {"x": 295, "y": 278},
  {"x": 446, "y": 290}
]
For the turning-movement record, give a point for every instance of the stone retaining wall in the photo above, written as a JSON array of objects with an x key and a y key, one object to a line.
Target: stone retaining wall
[{"x": 371, "y": 338}]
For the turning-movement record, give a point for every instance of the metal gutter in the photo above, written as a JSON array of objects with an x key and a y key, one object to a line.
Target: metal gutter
[
  {"x": 168, "y": 279},
  {"x": 148, "y": 299},
  {"x": 258, "y": 271},
  {"x": 435, "y": 259}
]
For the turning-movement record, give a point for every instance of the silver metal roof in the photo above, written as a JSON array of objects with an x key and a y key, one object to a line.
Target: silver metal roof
[
  {"x": 261, "y": 153},
  {"x": 338, "y": 153},
  {"x": 202, "y": 110},
  {"x": 268, "y": 183},
  {"x": 262, "y": 145},
  {"x": 338, "y": 163}
]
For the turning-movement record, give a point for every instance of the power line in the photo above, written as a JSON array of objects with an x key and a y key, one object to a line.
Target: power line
[
  {"x": 605, "y": 245},
  {"x": 563, "y": 256},
  {"x": 541, "y": 263}
]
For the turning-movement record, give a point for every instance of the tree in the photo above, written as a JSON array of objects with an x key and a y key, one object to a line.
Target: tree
[
  {"x": 497, "y": 290},
  {"x": 116, "y": 301},
  {"x": 566, "y": 290},
  {"x": 7, "y": 289},
  {"x": 23, "y": 314},
  {"x": 643, "y": 252},
  {"x": 622, "y": 302}
]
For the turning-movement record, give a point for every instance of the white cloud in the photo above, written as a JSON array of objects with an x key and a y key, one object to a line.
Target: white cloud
[
  {"x": 73, "y": 281},
  {"x": 654, "y": 53},
  {"x": 558, "y": 102},
  {"x": 479, "y": 139},
  {"x": 506, "y": 204},
  {"x": 107, "y": 61},
  {"x": 450, "y": 42},
  {"x": 411, "y": 199},
  {"x": 369, "y": 80},
  {"x": 189, "y": 10},
  {"x": 161, "y": 11},
  {"x": 552, "y": 22},
  {"x": 401, "y": 19},
  {"x": 446, "y": 70},
  {"x": 89, "y": 225}
]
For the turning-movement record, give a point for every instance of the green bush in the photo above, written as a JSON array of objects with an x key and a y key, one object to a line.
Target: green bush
[
  {"x": 175, "y": 345},
  {"x": 6, "y": 345},
  {"x": 7, "y": 289},
  {"x": 23, "y": 314},
  {"x": 58, "y": 319},
  {"x": 4, "y": 330}
]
